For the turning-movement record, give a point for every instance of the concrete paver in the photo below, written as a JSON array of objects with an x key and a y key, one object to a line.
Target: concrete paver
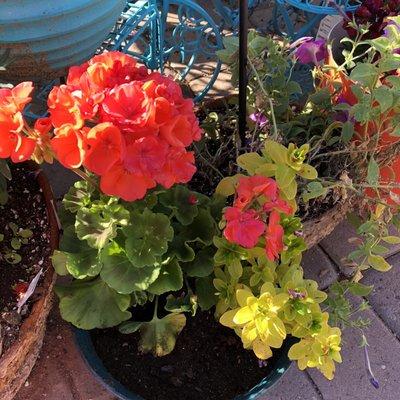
[
  {"x": 318, "y": 266},
  {"x": 385, "y": 298}
]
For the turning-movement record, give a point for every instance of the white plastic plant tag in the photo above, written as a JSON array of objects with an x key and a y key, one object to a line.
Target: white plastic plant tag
[
  {"x": 327, "y": 24},
  {"x": 29, "y": 292}
]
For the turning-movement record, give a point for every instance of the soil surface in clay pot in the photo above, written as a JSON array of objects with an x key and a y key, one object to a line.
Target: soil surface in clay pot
[
  {"x": 24, "y": 214},
  {"x": 208, "y": 363}
]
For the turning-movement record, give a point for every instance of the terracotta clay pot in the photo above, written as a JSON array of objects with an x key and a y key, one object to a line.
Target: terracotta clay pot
[{"x": 17, "y": 362}]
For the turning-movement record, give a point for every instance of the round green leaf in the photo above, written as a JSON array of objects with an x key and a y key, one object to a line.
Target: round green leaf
[
  {"x": 124, "y": 277},
  {"x": 92, "y": 304},
  {"x": 170, "y": 279},
  {"x": 202, "y": 265},
  {"x": 147, "y": 237}
]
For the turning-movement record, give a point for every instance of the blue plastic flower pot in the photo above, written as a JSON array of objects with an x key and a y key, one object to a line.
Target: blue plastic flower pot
[
  {"x": 88, "y": 352},
  {"x": 43, "y": 37}
]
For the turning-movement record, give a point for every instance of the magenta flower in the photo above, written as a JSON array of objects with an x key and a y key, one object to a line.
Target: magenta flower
[
  {"x": 310, "y": 50},
  {"x": 259, "y": 118}
]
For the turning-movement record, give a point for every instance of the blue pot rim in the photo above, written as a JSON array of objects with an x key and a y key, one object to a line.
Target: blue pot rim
[{"x": 96, "y": 366}]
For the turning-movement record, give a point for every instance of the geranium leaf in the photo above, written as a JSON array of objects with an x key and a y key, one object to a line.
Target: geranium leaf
[
  {"x": 78, "y": 196},
  {"x": 79, "y": 265},
  {"x": 98, "y": 226},
  {"x": 159, "y": 335},
  {"x": 92, "y": 304},
  {"x": 202, "y": 229},
  {"x": 202, "y": 265},
  {"x": 206, "y": 293},
  {"x": 129, "y": 327},
  {"x": 123, "y": 276},
  {"x": 177, "y": 199},
  {"x": 147, "y": 237},
  {"x": 169, "y": 279},
  {"x": 180, "y": 249}
]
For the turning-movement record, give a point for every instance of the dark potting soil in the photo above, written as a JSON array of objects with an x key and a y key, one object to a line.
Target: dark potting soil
[
  {"x": 208, "y": 363},
  {"x": 26, "y": 208}
]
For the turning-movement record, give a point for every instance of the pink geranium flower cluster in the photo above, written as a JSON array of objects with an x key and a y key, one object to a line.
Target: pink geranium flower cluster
[{"x": 255, "y": 214}]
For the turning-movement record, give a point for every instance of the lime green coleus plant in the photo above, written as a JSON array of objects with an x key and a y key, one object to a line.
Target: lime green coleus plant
[
  {"x": 264, "y": 301},
  {"x": 285, "y": 164},
  {"x": 121, "y": 255}
]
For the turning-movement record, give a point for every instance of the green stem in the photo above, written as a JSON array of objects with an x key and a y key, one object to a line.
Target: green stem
[
  {"x": 155, "y": 308},
  {"x": 271, "y": 105},
  {"x": 84, "y": 176}
]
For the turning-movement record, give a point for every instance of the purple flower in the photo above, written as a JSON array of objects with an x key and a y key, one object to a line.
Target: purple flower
[
  {"x": 372, "y": 379},
  {"x": 259, "y": 118},
  {"x": 343, "y": 115},
  {"x": 310, "y": 50}
]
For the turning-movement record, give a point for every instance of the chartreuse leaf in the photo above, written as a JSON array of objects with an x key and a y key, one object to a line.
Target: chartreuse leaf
[
  {"x": 147, "y": 237},
  {"x": 379, "y": 263},
  {"x": 290, "y": 191},
  {"x": 276, "y": 151},
  {"x": 98, "y": 226},
  {"x": 391, "y": 239},
  {"x": 206, "y": 293},
  {"x": 177, "y": 199},
  {"x": 92, "y": 304},
  {"x": 169, "y": 279},
  {"x": 250, "y": 162},
  {"x": 159, "y": 335},
  {"x": 202, "y": 265},
  {"x": 123, "y": 276},
  {"x": 284, "y": 175},
  {"x": 228, "y": 252},
  {"x": 308, "y": 172},
  {"x": 78, "y": 196},
  {"x": 227, "y": 186}
]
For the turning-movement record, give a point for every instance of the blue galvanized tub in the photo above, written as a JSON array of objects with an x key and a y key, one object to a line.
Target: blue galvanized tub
[{"x": 41, "y": 38}]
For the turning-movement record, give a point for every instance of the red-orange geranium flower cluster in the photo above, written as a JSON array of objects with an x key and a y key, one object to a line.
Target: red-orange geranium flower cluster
[
  {"x": 13, "y": 141},
  {"x": 256, "y": 213},
  {"x": 126, "y": 124}
]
